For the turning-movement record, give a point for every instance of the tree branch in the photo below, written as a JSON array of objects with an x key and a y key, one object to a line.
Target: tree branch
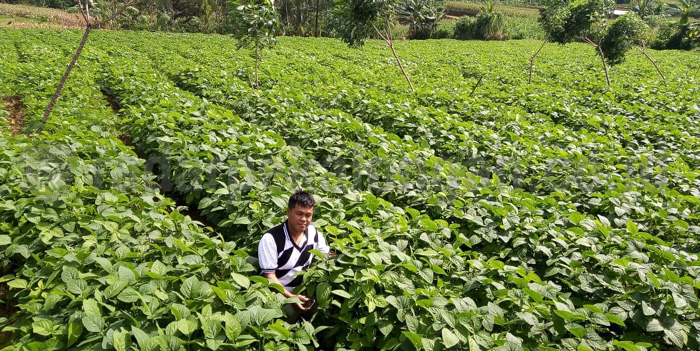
[
  {"x": 643, "y": 49},
  {"x": 388, "y": 29},
  {"x": 379, "y": 32},
  {"x": 82, "y": 12}
]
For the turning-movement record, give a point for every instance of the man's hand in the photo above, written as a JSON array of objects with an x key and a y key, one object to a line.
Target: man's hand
[{"x": 303, "y": 300}]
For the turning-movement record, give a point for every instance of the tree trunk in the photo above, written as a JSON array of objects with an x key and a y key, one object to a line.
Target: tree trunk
[
  {"x": 602, "y": 56},
  {"x": 318, "y": 5},
  {"x": 532, "y": 60},
  {"x": 257, "y": 58},
  {"x": 605, "y": 67},
  {"x": 390, "y": 42},
  {"x": 476, "y": 85},
  {"x": 401, "y": 66},
  {"x": 64, "y": 78}
]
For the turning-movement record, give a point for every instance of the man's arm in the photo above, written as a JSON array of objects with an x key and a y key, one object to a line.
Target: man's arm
[
  {"x": 323, "y": 246},
  {"x": 273, "y": 278}
]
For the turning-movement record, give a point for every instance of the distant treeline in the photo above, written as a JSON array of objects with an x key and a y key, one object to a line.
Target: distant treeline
[{"x": 297, "y": 17}]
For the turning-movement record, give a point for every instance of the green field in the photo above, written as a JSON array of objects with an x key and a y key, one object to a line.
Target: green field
[{"x": 478, "y": 213}]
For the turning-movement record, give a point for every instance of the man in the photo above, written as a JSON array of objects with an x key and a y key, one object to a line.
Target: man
[{"x": 283, "y": 251}]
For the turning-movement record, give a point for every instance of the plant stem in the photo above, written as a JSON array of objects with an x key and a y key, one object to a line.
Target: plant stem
[
  {"x": 644, "y": 51},
  {"x": 602, "y": 56},
  {"x": 476, "y": 85},
  {"x": 605, "y": 67},
  {"x": 532, "y": 60},
  {"x": 257, "y": 58}
]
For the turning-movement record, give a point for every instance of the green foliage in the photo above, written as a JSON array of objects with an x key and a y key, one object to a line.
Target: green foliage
[
  {"x": 560, "y": 215},
  {"x": 355, "y": 18},
  {"x": 621, "y": 35},
  {"x": 646, "y": 8},
  {"x": 422, "y": 17},
  {"x": 565, "y": 21},
  {"x": 94, "y": 256},
  {"x": 488, "y": 25},
  {"x": 255, "y": 23},
  {"x": 523, "y": 28}
]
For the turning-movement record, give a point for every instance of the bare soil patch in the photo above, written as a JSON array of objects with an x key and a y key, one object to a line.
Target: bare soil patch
[{"x": 13, "y": 104}]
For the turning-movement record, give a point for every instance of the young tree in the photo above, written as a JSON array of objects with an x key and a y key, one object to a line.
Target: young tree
[
  {"x": 255, "y": 23},
  {"x": 89, "y": 24},
  {"x": 358, "y": 19},
  {"x": 565, "y": 21},
  {"x": 622, "y": 34}
]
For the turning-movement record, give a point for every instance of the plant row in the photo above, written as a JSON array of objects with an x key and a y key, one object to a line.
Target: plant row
[{"x": 301, "y": 125}]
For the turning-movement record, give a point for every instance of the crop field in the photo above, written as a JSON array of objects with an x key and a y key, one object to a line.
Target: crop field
[{"x": 478, "y": 213}]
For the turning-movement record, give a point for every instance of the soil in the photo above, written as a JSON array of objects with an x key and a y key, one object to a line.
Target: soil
[
  {"x": 111, "y": 100},
  {"x": 13, "y": 104},
  {"x": 191, "y": 211}
]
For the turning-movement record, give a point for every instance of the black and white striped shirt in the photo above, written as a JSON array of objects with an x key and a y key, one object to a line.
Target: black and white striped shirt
[{"x": 279, "y": 254}]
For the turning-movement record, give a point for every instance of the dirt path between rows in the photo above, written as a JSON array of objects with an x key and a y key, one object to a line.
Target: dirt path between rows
[{"x": 13, "y": 104}]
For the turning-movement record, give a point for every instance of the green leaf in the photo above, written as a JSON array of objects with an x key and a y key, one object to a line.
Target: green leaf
[
  {"x": 127, "y": 274},
  {"x": 449, "y": 338},
  {"x": 159, "y": 268},
  {"x": 654, "y": 325},
  {"x": 115, "y": 288},
  {"x": 415, "y": 339},
  {"x": 43, "y": 327},
  {"x": 341, "y": 293},
  {"x": 577, "y": 330},
  {"x": 280, "y": 329},
  {"x": 533, "y": 294},
  {"x": 566, "y": 315},
  {"x": 615, "y": 319},
  {"x": 69, "y": 274},
  {"x": 626, "y": 345},
  {"x": 241, "y": 280},
  {"x": 141, "y": 337},
  {"x": 232, "y": 327},
  {"x": 129, "y": 295},
  {"x": 5, "y": 240},
  {"x": 121, "y": 340},
  {"x": 94, "y": 324},
  {"x": 260, "y": 316},
  {"x": 91, "y": 308},
  {"x": 323, "y": 293},
  {"x": 429, "y": 225},
  {"x": 187, "y": 326},
  {"x": 17, "y": 284},
  {"x": 190, "y": 287},
  {"x": 77, "y": 286},
  {"x": 74, "y": 331}
]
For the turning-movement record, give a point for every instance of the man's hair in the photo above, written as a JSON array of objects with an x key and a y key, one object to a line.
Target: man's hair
[{"x": 302, "y": 198}]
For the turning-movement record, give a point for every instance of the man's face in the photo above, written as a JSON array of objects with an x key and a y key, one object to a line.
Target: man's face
[{"x": 299, "y": 217}]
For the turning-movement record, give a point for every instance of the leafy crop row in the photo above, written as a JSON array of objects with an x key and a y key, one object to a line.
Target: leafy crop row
[
  {"x": 95, "y": 258},
  {"x": 431, "y": 255},
  {"x": 278, "y": 118}
]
